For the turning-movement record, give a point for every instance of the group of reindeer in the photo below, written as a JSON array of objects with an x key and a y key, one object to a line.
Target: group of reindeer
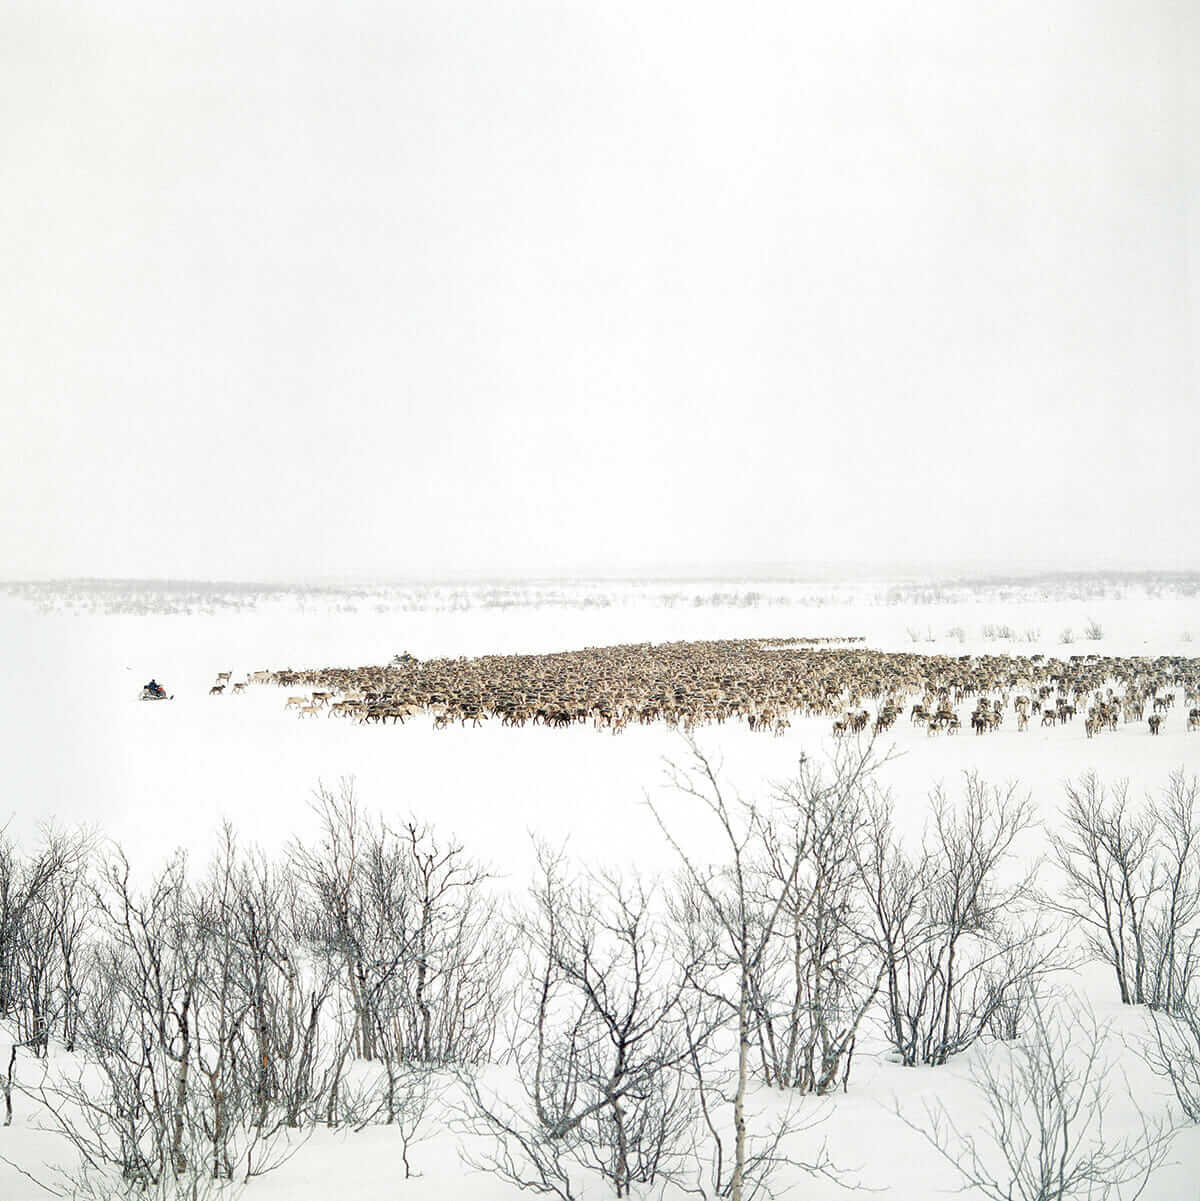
[
  {"x": 760, "y": 681},
  {"x": 1103, "y": 713},
  {"x": 224, "y": 680}
]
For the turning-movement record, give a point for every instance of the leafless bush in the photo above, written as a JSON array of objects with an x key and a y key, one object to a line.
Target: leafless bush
[
  {"x": 957, "y": 633},
  {"x": 1010, "y": 1016},
  {"x": 217, "y": 1019},
  {"x": 1173, "y": 1050},
  {"x": 731, "y": 914},
  {"x": 155, "y": 1106},
  {"x": 43, "y": 916},
  {"x": 1032, "y": 634},
  {"x": 1066, "y": 636},
  {"x": 1132, "y": 883},
  {"x": 959, "y": 945},
  {"x": 86, "y": 1182},
  {"x": 407, "y": 919},
  {"x": 1044, "y": 1137},
  {"x": 411, "y": 1093},
  {"x": 822, "y": 971},
  {"x": 512, "y": 1144},
  {"x": 994, "y": 631},
  {"x": 602, "y": 1046},
  {"x": 1093, "y": 630}
]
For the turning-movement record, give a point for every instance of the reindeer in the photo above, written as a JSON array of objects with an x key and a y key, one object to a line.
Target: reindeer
[{"x": 691, "y": 684}]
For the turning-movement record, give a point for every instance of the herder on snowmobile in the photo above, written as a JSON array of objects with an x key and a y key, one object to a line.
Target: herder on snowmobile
[{"x": 154, "y": 691}]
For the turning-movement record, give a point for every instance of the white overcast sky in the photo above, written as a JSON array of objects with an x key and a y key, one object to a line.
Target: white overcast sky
[{"x": 396, "y": 289}]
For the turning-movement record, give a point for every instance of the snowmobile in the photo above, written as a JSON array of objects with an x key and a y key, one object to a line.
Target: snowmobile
[{"x": 154, "y": 691}]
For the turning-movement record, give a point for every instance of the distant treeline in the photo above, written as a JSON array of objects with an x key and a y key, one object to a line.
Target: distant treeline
[{"x": 184, "y": 597}]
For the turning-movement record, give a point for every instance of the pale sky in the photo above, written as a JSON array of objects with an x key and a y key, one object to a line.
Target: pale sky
[{"x": 403, "y": 289}]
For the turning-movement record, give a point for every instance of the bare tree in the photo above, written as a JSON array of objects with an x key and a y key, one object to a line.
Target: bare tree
[
  {"x": 1173, "y": 1051},
  {"x": 602, "y": 1042},
  {"x": 221, "y": 1011},
  {"x": 1132, "y": 883},
  {"x": 407, "y": 918},
  {"x": 453, "y": 982},
  {"x": 1173, "y": 932},
  {"x": 42, "y": 918},
  {"x": 1044, "y": 1137},
  {"x": 6, "y": 1084},
  {"x": 730, "y": 914},
  {"x": 958, "y": 939},
  {"x": 215, "y": 1020},
  {"x": 1105, "y": 855},
  {"x": 361, "y": 932},
  {"x": 161, "y": 1098},
  {"x": 823, "y": 969},
  {"x": 129, "y": 1112}
]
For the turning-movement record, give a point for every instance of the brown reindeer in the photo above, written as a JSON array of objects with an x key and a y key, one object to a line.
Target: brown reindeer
[{"x": 692, "y": 684}]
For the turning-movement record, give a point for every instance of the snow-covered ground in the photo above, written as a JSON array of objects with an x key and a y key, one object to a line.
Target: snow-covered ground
[{"x": 79, "y": 748}]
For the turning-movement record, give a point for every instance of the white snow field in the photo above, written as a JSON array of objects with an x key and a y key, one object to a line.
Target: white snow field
[{"x": 79, "y": 748}]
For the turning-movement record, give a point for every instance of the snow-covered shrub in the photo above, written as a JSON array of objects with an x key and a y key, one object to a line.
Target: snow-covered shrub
[{"x": 1043, "y": 1136}]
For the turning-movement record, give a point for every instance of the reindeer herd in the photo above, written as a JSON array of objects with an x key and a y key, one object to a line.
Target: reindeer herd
[{"x": 763, "y": 682}]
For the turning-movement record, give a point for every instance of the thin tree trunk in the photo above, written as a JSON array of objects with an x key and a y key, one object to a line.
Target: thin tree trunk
[
  {"x": 739, "y": 1099},
  {"x": 181, "y": 1087}
]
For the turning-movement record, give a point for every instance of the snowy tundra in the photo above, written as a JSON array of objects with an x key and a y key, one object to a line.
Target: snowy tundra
[{"x": 83, "y": 751}]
